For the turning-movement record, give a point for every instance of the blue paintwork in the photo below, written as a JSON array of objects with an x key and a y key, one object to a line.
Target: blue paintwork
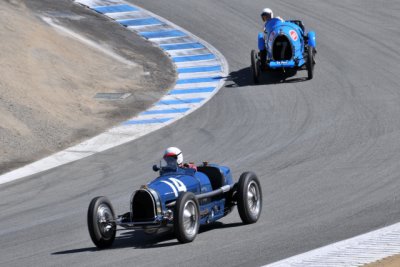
[
  {"x": 276, "y": 27},
  {"x": 196, "y": 182},
  {"x": 166, "y": 192},
  {"x": 261, "y": 41},
  {"x": 282, "y": 64},
  {"x": 312, "y": 39}
]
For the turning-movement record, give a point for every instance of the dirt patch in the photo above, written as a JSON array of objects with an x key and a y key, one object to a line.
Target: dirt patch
[
  {"x": 48, "y": 83},
  {"x": 393, "y": 261}
]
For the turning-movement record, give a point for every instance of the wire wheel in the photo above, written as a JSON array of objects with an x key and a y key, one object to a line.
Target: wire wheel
[
  {"x": 190, "y": 216},
  {"x": 253, "y": 198},
  {"x": 249, "y": 198},
  {"x": 104, "y": 220},
  {"x": 101, "y": 222},
  {"x": 186, "y": 217}
]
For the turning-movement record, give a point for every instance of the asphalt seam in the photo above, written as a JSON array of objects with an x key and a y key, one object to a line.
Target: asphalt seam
[{"x": 201, "y": 73}]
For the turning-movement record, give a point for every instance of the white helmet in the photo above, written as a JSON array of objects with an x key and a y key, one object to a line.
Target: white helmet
[
  {"x": 267, "y": 12},
  {"x": 175, "y": 153}
]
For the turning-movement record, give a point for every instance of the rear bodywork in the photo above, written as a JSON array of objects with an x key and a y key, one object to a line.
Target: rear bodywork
[{"x": 286, "y": 44}]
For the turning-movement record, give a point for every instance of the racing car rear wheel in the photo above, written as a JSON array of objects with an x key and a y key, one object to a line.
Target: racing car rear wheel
[
  {"x": 254, "y": 66},
  {"x": 249, "y": 198},
  {"x": 310, "y": 62},
  {"x": 186, "y": 217},
  {"x": 101, "y": 222}
]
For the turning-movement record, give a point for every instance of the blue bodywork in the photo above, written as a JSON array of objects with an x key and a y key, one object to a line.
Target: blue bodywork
[
  {"x": 291, "y": 45},
  {"x": 171, "y": 183}
]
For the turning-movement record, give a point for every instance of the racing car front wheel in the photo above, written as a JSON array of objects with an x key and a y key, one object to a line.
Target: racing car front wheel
[
  {"x": 310, "y": 62},
  {"x": 101, "y": 222},
  {"x": 254, "y": 66},
  {"x": 186, "y": 217},
  {"x": 249, "y": 198}
]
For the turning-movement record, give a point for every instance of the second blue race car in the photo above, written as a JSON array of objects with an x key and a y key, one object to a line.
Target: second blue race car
[{"x": 286, "y": 46}]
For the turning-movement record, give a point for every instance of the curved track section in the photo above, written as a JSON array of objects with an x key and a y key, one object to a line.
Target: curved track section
[{"x": 326, "y": 150}]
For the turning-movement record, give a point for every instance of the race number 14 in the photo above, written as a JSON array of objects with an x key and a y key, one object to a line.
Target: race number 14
[{"x": 176, "y": 185}]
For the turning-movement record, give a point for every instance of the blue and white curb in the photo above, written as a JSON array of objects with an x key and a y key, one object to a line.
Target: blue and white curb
[
  {"x": 356, "y": 251},
  {"x": 201, "y": 70}
]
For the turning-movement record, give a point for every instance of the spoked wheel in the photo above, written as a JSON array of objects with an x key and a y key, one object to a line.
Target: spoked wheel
[
  {"x": 186, "y": 217},
  {"x": 310, "y": 62},
  {"x": 249, "y": 199},
  {"x": 254, "y": 66},
  {"x": 101, "y": 222}
]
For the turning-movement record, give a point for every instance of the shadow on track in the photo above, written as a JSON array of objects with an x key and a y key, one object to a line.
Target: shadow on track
[
  {"x": 244, "y": 77},
  {"x": 141, "y": 240}
]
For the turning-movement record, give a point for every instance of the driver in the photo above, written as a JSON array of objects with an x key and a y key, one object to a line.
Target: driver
[
  {"x": 174, "y": 153},
  {"x": 266, "y": 15}
]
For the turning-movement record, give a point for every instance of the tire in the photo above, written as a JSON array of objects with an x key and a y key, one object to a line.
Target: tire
[
  {"x": 249, "y": 198},
  {"x": 101, "y": 233},
  {"x": 254, "y": 66},
  {"x": 186, "y": 217},
  {"x": 310, "y": 62}
]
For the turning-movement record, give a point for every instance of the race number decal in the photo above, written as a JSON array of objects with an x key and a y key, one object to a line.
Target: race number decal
[
  {"x": 294, "y": 35},
  {"x": 176, "y": 185}
]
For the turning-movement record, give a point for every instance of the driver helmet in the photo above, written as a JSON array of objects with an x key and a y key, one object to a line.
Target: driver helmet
[
  {"x": 267, "y": 13},
  {"x": 174, "y": 152}
]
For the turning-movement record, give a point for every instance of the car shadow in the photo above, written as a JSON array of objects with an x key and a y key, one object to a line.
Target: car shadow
[
  {"x": 244, "y": 77},
  {"x": 141, "y": 240}
]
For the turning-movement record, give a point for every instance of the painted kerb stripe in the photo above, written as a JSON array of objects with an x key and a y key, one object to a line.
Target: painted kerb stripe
[
  {"x": 162, "y": 34},
  {"x": 181, "y": 46},
  {"x": 165, "y": 111},
  {"x": 140, "y": 22},
  {"x": 199, "y": 69},
  {"x": 116, "y": 8}
]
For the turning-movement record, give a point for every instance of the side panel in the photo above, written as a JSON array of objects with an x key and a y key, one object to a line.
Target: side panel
[
  {"x": 261, "y": 41},
  {"x": 213, "y": 211},
  {"x": 205, "y": 185},
  {"x": 311, "y": 39}
]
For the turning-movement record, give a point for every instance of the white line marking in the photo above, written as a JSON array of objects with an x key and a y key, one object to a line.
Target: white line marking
[
  {"x": 356, "y": 251},
  {"x": 188, "y": 52}
]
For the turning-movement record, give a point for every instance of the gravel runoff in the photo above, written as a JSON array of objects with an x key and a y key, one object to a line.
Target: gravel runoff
[{"x": 49, "y": 78}]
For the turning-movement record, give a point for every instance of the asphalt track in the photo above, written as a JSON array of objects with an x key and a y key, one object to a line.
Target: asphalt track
[{"x": 326, "y": 150}]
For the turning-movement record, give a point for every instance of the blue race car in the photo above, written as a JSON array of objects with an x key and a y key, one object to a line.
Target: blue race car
[
  {"x": 284, "y": 45},
  {"x": 180, "y": 199}
]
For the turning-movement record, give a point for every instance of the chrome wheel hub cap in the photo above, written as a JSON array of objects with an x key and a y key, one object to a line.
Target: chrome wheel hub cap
[
  {"x": 190, "y": 218},
  {"x": 253, "y": 198},
  {"x": 104, "y": 220}
]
